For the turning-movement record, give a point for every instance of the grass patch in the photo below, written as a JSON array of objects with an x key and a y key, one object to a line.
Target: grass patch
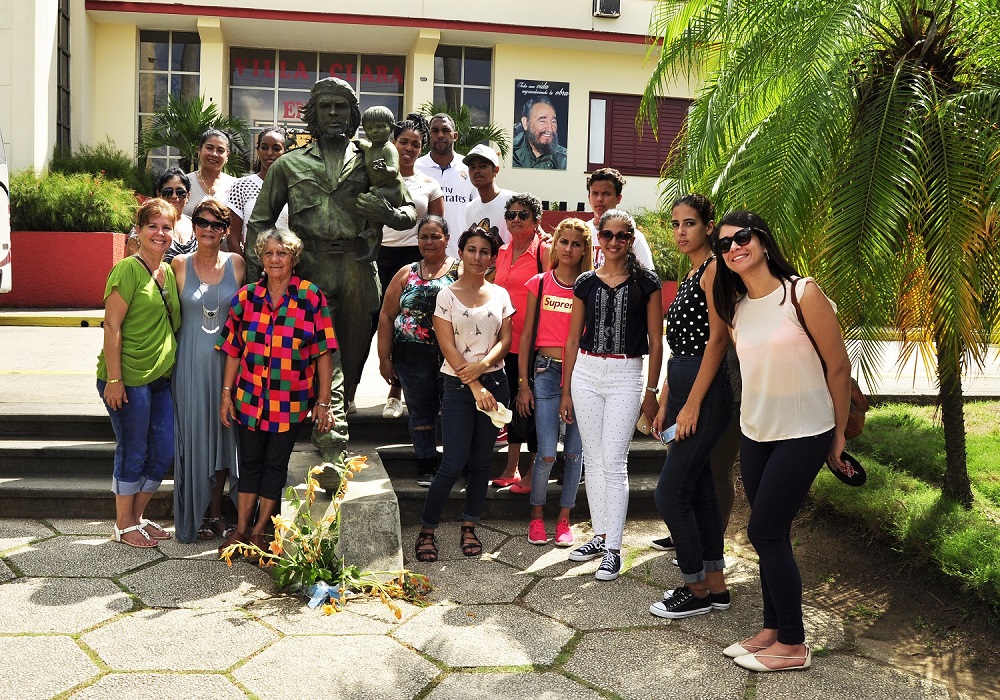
[{"x": 903, "y": 451}]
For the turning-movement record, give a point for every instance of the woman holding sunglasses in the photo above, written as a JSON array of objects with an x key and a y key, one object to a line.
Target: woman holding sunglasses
[
  {"x": 793, "y": 417},
  {"x": 617, "y": 318},
  {"x": 697, "y": 396},
  {"x": 204, "y": 449},
  {"x": 523, "y": 257},
  {"x": 175, "y": 187}
]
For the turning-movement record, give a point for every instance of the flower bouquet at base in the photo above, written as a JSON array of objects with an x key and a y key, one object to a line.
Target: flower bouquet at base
[{"x": 303, "y": 557}]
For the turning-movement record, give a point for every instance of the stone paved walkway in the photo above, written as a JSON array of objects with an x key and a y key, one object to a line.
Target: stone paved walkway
[{"x": 83, "y": 617}]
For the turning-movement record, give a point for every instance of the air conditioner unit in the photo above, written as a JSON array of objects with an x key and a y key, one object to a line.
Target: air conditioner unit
[{"x": 607, "y": 8}]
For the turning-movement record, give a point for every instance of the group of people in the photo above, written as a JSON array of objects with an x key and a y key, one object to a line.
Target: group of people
[{"x": 213, "y": 360}]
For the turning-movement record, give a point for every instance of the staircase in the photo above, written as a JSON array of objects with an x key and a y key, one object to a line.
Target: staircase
[{"x": 54, "y": 465}]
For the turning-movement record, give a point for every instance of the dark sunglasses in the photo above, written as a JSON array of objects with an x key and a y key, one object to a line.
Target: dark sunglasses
[
  {"x": 217, "y": 226},
  {"x": 743, "y": 236},
  {"x": 168, "y": 192},
  {"x": 621, "y": 236},
  {"x": 522, "y": 215}
]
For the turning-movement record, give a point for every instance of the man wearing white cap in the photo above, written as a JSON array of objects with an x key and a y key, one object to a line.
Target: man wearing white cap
[{"x": 490, "y": 203}]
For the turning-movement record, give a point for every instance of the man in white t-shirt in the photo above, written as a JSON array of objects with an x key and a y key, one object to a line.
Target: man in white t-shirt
[
  {"x": 447, "y": 168},
  {"x": 490, "y": 201},
  {"x": 604, "y": 191}
]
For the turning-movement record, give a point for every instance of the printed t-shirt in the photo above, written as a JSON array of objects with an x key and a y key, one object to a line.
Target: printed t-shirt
[
  {"x": 457, "y": 190},
  {"x": 615, "y": 320},
  {"x": 493, "y": 210},
  {"x": 149, "y": 347},
  {"x": 554, "y": 313},
  {"x": 513, "y": 276},
  {"x": 277, "y": 348},
  {"x": 476, "y": 329}
]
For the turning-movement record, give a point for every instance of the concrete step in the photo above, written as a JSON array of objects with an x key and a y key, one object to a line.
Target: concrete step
[{"x": 71, "y": 496}]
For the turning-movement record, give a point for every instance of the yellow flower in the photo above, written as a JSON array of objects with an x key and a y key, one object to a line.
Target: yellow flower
[
  {"x": 328, "y": 609},
  {"x": 276, "y": 547}
]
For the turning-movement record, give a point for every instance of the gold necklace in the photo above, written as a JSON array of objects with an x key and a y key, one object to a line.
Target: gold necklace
[{"x": 204, "y": 185}]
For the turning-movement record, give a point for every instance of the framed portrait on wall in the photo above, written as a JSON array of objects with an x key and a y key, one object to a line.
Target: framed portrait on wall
[{"x": 541, "y": 118}]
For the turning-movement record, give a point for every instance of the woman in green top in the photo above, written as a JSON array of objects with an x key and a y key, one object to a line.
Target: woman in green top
[{"x": 141, "y": 315}]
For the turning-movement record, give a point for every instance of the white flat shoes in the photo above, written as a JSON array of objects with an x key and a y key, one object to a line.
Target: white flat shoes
[
  {"x": 741, "y": 649},
  {"x": 751, "y": 662}
]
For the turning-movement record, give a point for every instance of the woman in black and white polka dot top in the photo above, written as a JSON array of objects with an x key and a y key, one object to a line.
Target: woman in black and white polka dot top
[{"x": 697, "y": 396}]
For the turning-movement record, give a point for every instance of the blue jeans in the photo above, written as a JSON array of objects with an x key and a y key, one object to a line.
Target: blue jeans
[
  {"x": 469, "y": 436},
  {"x": 685, "y": 493},
  {"x": 548, "y": 394},
  {"x": 144, "y": 429},
  {"x": 418, "y": 368}
]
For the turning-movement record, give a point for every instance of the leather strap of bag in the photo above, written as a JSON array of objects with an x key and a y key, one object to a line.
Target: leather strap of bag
[
  {"x": 163, "y": 291},
  {"x": 802, "y": 321}
]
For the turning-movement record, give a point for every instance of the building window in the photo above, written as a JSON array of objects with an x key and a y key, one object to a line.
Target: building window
[
  {"x": 169, "y": 64},
  {"x": 463, "y": 76},
  {"x": 63, "y": 141},
  {"x": 614, "y": 142},
  {"x": 268, "y": 87}
]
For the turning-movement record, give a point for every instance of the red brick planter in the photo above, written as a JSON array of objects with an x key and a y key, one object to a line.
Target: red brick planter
[{"x": 61, "y": 269}]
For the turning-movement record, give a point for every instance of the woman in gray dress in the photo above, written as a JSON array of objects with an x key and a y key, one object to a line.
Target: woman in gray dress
[{"x": 204, "y": 449}]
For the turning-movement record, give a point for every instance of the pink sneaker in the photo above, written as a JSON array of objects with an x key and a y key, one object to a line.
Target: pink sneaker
[
  {"x": 536, "y": 532},
  {"x": 564, "y": 536}
]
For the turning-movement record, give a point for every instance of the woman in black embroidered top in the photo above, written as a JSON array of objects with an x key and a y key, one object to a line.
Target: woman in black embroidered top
[
  {"x": 697, "y": 396},
  {"x": 617, "y": 318}
]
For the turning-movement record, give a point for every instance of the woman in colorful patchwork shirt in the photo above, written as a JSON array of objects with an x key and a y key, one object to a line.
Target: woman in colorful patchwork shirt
[{"x": 278, "y": 337}]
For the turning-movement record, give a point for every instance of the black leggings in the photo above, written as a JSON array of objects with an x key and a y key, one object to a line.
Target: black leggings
[{"x": 776, "y": 477}]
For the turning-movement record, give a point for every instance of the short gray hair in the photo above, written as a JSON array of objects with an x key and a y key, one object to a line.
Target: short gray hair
[{"x": 285, "y": 238}]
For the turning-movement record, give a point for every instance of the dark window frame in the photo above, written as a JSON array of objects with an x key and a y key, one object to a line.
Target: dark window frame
[{"x": 64, "y": 131}]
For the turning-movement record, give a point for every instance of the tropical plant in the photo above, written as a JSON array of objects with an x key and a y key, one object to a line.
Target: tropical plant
[
  {"x": 104, "y": 159},
  {"x": 303, "y": 554},
  {"x": 667, "y": 258},
  {"x": 865, "y": 132},
  {"x": 469, "y": 134},
  {"x": 76, "y": 202},
  {"x": 180, "y": 124}
]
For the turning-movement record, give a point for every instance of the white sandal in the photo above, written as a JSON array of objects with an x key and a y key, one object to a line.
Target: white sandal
[
  {"x": 117, "y": 537},
  {"x": 143, "y": 524}
]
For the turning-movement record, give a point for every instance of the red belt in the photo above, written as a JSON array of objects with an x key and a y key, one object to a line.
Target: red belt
[{"x": 609, "y": 356}]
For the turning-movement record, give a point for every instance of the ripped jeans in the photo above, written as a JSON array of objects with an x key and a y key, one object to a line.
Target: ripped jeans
[{"x": 548, "y": 394}]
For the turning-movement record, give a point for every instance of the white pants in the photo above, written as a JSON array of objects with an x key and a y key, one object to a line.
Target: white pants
[{"x": 607, "y": 396}]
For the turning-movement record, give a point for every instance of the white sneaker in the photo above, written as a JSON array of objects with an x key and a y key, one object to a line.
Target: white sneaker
[{"x": 393, "y": 408}]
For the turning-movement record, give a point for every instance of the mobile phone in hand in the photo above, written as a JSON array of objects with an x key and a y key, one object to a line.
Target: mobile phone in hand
[{"x": 667, "y": 436}]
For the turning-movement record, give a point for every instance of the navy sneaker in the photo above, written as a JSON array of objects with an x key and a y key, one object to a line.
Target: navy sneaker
[
  {"x": 593, "y": 549},
  {"x": 683, "y": 603}
]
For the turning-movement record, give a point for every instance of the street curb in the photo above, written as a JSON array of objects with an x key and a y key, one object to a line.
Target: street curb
[{"x": 51, "y": 321}]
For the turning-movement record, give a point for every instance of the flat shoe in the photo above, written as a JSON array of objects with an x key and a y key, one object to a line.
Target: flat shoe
[
  {"x": 503, "y": 483},
  {"x": 740, "y": 649},
  {"x": 144, "y": 524},
  {"x": 146, "y": 543},
  {"x": 204, "y": 531},
  {"x": 751, "y": 663},
  {"x": 520, "y": 487}
]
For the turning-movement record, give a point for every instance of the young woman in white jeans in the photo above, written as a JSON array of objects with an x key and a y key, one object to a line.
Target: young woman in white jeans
[{"x": 617, "y": 318}]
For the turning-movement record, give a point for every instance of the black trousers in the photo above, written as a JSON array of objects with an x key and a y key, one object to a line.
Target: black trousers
[{"x": 264, "y": 460}]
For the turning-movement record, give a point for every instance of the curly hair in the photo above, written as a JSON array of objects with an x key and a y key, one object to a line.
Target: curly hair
[
  {"x": 528, "y": 201},
  {"x": 609, "y": 175},
  {"x": 285, "y": 238},
  {"x": 413, "y": 122}
]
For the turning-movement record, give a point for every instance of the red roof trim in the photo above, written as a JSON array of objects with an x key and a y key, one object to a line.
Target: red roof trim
[{"x": 374, "y": 20}]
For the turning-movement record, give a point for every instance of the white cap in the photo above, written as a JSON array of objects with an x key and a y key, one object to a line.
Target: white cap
[{"x": 483, "y": 151}]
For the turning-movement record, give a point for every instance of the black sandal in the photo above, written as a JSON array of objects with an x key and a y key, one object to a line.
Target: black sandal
[
  {"x": 471, "y": 546},
  {"x": 426, "y": 548}
]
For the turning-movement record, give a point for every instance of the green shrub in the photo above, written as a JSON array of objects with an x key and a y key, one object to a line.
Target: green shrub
[
  {"x": 103, "y": 159},
  {"x": 667, "y": 257},
  {"x": 79, "y": 202}
]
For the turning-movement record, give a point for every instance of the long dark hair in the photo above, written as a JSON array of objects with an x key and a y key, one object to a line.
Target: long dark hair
[
  {"x": 282, "y": 134},
  {"x": 729, "y": 287}
]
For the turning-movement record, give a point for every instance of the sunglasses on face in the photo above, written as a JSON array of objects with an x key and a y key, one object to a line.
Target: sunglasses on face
[
  {"x": 217, "y": 226},
  {"x": 522, "y": 215},
  {"x": 168, "y": 192},
  {"x": 742, "y": 237},
  {"x": 621, "y": 236}
]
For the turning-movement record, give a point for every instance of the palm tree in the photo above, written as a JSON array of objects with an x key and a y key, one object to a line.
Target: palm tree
[
  {"x": 866, "y": 133},
  {"x": 180, "y": 124},
  {"x": 469, "y": 134}
]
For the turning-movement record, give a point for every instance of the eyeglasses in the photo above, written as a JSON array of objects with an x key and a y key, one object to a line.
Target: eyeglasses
[
  {"x": 743, "y": 236},
  {"x": 168, "y": 192},
  {"x": 521, "y": 214},
  {"x": 217, "y": 226},
  {"x": 621, "y": 236}
]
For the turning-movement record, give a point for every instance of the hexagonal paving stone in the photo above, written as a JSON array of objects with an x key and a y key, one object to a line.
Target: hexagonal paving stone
[
  {"x": 178, "y": 640},
  {"x": 80, "y": 555},
  {"x": 545, "y": 560},
  {"x": 847, "y": 678},
  {"x": 190, "y": 583},
  {"x": 17, "y": 533},
  {"x": 59, "y": 604},
  {"x": 291, "y": 615},
  {"x": 664, "y": 664},
  {"x": 456, "y": 635},
  {"x": 83, "y": 526},
  {"x": 448, "y": 536},
  {"x": 586, "y": 603},
  {"x": 472, "y": 582},
  {"x": 40, "y": 667},
  {"x": 5, "y": 573},
  {"x": 348, "y": 668},
  {"x": 503, "y": 686},
  {"x": 207, "y": 550},
  {"x": 160, "y": 686}
]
